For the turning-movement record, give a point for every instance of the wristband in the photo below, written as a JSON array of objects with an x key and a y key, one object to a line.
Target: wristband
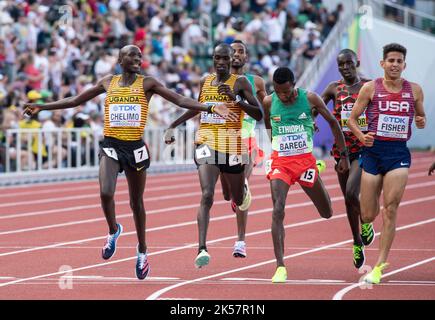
[{"x": 238, "y": 99}]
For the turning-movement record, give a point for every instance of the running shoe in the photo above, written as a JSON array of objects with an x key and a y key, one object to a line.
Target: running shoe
[
  {"x": 142, "y": 265},
  {"x": 246, "y": 199},
  {"x": 374, "y": 277},
  {"x": 280, "y": 275},
  {"x": 110, "y": 244},
  {"x": 367, "y": 233},
  {"x": 321, "y": 165},
  {"x": 233, "y": 206},
  {"x": 202, "y": 259},
  {"x": 358, "y": 256},
  {"x": 239, "y": 249}
]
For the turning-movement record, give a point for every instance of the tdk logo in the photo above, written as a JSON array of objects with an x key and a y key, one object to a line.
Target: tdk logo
[
  {"x": 293, "y": 137},
  {"x": 402, "y": 106},
  {"x": 395, "y": 120},
  {"x": 127, "y": 107}
]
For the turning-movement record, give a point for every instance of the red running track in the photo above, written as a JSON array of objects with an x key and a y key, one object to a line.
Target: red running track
[{"x": 51, "y": 237}]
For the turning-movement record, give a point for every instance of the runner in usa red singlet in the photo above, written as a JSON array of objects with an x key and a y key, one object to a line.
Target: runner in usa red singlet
[
  {"x": 344, "y": 93},
  {"x": 391, "y": 104}
]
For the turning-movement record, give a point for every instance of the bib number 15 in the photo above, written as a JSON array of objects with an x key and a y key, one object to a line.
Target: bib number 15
[{"x": 308, "y": 176}]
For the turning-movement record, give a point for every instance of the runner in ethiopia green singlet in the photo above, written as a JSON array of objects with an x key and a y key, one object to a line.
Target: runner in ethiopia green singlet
[
  {"x": 287, "y": 114},
  {"x": 292, "y": 128}
]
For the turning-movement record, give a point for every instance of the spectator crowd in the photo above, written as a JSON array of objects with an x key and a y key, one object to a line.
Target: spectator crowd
[{"x": 52, "y": 49}]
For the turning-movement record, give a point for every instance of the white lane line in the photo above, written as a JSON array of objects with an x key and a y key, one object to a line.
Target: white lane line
[
  {"x": 94, "y": 195},
  {"x": 128, "y": 215},
  {"x": 158, "y": 293},
  {"x": 122, "y": 192},
  {"x": 170, "y": 209},
  {"x": 195, "y": 244},
  {"x": 412, "y": 281},
  {"x": 152, "y": 178},
  {"x": 102, "y": 278},
  {"x": 94, "y": 188},
  {"x": 230, "y": 216},
  {"x": 162, "y": 251},
  {"x": 340, "y": 294},
  {"x": 177, "y": 225},
  {"x": 327, "y": 281},
  {"x": 120, "y": 184},
  {"x": 118, "y": 203},
  {"x": 126, "y": 202}
]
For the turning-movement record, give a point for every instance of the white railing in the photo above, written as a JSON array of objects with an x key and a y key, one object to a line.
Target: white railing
[
  {"x": 45, "y": 155},
  {"x": 321, "y": 61},
  {"x": 35, "y": 149},
  {"x": 402, "y": 15}
]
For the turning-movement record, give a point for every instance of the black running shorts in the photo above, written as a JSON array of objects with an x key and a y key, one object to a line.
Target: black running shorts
[
  {"x": 129, "y": 154},
  {"x": 228, "y": 163}
]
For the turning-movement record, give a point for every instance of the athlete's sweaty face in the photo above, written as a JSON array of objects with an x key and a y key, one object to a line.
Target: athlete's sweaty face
[
  {"x": 240, "y": 56},
  {"x": 285, "y": 91},
  {"x": 347, "y": 64},
  {"x": 222, "y": 60},
  {"x": 393, "y": 65},
  {"x": 130, "y": 59}
]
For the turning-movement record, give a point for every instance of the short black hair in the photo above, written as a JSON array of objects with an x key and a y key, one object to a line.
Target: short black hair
[
  {"x": 224, "y": 45},
  {"x": 242, "y": 43},
  {"x": 283, "y": 75},
  {"x": 394, "y": 47},
  {"x": 348, "y": 51}
]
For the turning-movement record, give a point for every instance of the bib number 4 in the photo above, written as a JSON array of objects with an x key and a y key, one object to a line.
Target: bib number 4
[{"x": 203, "y": 152}]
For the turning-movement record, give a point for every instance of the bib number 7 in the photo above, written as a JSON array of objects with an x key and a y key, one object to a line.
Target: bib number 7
[{"x": 140, "y": 154}]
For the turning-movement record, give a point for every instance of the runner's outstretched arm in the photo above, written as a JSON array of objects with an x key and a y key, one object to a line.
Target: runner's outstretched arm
[
  {"x": 184, "y": 102},
  {"x": 70, "y": 102},
  {"x": 169, "y": 132}
]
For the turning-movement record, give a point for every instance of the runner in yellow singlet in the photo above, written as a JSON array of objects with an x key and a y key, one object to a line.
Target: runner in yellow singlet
[
  {"x": 126, "y": 112},
  {"x": 219, "y": 146},
  {"x": 240, "y": 58}
]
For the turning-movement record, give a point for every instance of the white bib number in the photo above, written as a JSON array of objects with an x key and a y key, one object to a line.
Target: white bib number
[
  {"x": 234, "y": 160},
  {"x": 292, "y": 144},
  {"x": 111, "y": 153},
  {"x": 308, "y": 176},
  {"x": 211, "y": 118},
  {"x": 124, "y": 115},
  {"x": 362, "y": 121},
  {"x": 203, "y": 152},
  {"x": 140, "y": 154},
  {"x": 393, "y": 126}
]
